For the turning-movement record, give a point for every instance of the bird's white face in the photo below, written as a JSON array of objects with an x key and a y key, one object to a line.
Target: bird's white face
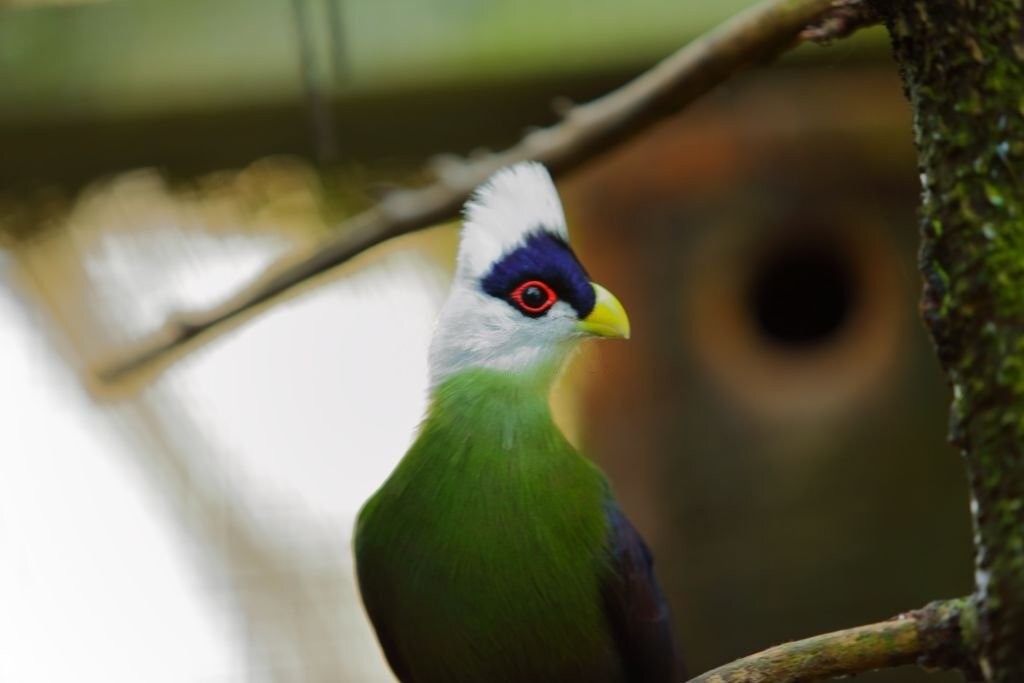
[{"x": 520, "y": 299}]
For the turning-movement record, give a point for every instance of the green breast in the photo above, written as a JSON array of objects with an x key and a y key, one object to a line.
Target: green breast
[{"x": 481, "y": 557}]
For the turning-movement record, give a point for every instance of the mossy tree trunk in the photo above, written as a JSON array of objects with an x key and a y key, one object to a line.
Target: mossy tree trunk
[{"x": 963, "y": 70}]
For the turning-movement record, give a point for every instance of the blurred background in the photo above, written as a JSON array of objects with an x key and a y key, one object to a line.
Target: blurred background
[{"x": 775, "y": 427}]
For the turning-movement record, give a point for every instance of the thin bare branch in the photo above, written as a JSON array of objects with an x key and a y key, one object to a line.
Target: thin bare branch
[
  {"x": 845, "y": 17},
  {"x": 756, "y": 35},
  {"x": 937, "y": 636}
]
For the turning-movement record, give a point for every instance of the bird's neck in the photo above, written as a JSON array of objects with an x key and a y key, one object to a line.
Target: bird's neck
[
  {"x": 492, "y": 407},
  {"x": 487, "y": 389},
  {"x": 532, "y": 370}
]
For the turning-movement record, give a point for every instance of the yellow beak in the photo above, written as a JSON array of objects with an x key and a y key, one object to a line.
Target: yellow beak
[{"x": 608, "y": 319}]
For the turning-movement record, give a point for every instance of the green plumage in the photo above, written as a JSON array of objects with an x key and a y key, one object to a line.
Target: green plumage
[{"x": 483, "y": 555}]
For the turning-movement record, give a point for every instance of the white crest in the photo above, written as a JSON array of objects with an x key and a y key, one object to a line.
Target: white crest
[
  {"x": 515, "y": 202},
  {"x": 476, "y": 329}
]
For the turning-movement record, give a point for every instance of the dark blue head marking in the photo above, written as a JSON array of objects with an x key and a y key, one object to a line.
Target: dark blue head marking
[{"x": 548, "y": 258}]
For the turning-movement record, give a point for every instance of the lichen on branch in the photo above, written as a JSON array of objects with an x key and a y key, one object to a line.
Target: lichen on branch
[{"x": 939, "y": 635}]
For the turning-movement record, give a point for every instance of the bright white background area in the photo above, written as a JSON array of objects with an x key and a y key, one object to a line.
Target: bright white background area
[{"x": 198, "y": 528}]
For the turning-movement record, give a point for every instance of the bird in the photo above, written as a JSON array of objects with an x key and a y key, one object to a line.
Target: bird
[{"x": 495, "y": 552}]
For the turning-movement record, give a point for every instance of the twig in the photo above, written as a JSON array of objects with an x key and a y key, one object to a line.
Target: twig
[
  {"x": 755, "y": 35},
  {"x": 845, "y": 18},
  {"x": 939, "y": 635},
  {"x": 325, "y": 147}
]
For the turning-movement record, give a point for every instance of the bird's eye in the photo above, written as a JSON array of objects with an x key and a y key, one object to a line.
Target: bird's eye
[{"x": 534, "y": 297}]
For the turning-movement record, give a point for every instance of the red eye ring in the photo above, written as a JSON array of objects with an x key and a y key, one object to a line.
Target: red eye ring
[{"x": 527, "y": 300}]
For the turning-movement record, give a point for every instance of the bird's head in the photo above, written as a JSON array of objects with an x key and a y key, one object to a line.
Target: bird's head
[{"x": 520, "y": 299}]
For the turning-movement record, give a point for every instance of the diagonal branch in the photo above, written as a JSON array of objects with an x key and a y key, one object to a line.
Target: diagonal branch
[
  {"x": 939, "y": 636},
  {"x": 758, "y": 34}
]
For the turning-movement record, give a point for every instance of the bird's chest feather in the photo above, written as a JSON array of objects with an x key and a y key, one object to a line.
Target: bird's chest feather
[{"x": 485, "y": 552}]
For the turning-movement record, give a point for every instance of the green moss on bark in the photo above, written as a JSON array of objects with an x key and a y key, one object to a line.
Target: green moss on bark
[{"x": 963, "y": 68}]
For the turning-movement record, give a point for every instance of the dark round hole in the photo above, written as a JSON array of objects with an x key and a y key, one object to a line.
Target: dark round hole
[{"x": 801, "y": 294}]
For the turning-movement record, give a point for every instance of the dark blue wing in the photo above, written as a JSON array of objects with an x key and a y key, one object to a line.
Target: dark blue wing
[{"x": 636, "y": 607}]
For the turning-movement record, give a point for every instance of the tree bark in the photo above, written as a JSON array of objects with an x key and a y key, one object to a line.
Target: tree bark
[{"x": 963, "y": 71}]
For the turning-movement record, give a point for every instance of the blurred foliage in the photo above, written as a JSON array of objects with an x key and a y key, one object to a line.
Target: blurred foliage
[
  {"x": 126, "y": 57},
  {"x": 198, "y": 85}
]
